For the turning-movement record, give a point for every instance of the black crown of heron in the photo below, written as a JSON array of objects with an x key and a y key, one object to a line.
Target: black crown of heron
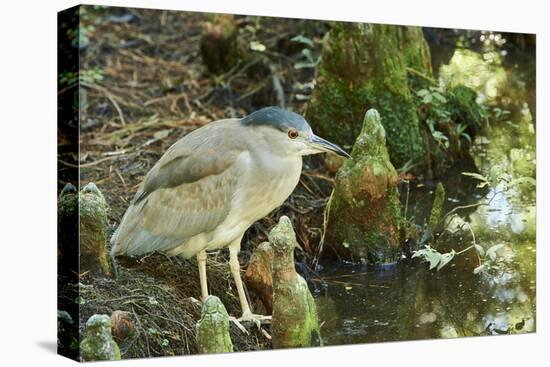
[{"x": 213, "y": 184}]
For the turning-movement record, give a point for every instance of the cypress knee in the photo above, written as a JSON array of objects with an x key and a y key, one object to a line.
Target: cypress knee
[
  {"x": 295, "y": 322},
  {"x": 67, "y": 231},
  {"x": 219, "y": 44},
  {"x": 213, "y": 328},
  {"x": 82, "y": 230},
  {"x": 67, "y": 334},
  {"x": 98, "y": 343},
  {"x": 93, "y": 231},
  {"x": 365, "y": 211},
  {"x": 258, "y": 275}
]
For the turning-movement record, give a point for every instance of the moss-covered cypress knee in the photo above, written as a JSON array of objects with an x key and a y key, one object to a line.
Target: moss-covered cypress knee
[
  {"x": 219, "y": 44},
  {"x": 93, "y": 231},
  {"x": 98, "y": 343},
  {"x": 365, "y": 212},
  {"x": 295, "y": 321},
  {"x": 213, "y": 328},
  {"x": 67, "y": 230},
  {"x": 67, "y": 334},
  {"x": 371, "y": 66}
]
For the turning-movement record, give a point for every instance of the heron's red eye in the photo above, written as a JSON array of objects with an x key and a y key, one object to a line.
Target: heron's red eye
[{"x": 292, "y": 134}]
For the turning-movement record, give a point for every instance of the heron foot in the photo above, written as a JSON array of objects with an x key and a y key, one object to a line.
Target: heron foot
[
  {"x": 255, "y": 318},
  {"x": 249, "y": 316},
  {"x": 238, "y": 324}
]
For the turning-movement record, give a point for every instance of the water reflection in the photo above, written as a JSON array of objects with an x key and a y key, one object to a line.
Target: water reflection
[{"x": 408, "y": 301}]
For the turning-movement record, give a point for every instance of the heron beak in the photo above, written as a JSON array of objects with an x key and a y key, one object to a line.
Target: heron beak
[{"x": 323, "y": 145}]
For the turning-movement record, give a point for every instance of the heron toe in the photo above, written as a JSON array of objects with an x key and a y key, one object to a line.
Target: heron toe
[
  {"x": 255, "y": 318},
  {"x": 249, "y": 316}
]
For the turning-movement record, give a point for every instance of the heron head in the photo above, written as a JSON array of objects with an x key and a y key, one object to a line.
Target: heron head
[{"x": 290, "y": 132}]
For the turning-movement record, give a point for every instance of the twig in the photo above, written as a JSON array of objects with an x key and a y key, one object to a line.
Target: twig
[
  {"x": 277, "y": 85},
  {"x": 124, "y": 298},
  {"x": 325, "y": 280},
  {"x": 205, "y": 110},
  {"x": 85, "y": 164},
  {"x": 407, "y": 198},
  {"x": 423, "y": 76},
  {"x": 325, "y": 224},
  {"x": 156, "y": 315},
  {"x": 318, "y": 175},
  {"x": 117, "y": 107},
  {"x": 120, "y": 177},
  {"x": 109, "y": 96},
  {"x": 457, "y": 208},
  {"x": 252, "y": 91},
  {"x": 242, "y": 70},
  {"x": 144, "y": 332},
  {"x": 307, "y": 187},
  {"x": 473, "y": 244}
]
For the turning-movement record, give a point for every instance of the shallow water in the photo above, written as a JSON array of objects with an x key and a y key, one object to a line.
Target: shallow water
[{"x": 408, "y": 301}]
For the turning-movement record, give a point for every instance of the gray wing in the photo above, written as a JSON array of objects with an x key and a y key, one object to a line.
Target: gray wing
[{"x": 187, "y": 192}]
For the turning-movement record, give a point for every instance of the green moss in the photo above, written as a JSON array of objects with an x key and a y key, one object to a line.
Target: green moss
[
  {"x": 463, "y": 107},
  {"x": 295, "y": 319},
  {"x": 334, "y": 108},
  {"x": 67, "y": 203},
  {"x": 394, "y": 205},
  {"x": 399, "y": 117},
  {"x": 365, "y": 66},
  {"x": 437, "y": 207}
]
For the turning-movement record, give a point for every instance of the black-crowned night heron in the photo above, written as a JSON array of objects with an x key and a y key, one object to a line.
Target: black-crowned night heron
[{"x": 213, "y": 184}]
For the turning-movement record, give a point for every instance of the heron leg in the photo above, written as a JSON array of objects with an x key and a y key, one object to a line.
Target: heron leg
[
  {"x": 201, "y": 259},
  {"x": 236, "y": 272}
]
